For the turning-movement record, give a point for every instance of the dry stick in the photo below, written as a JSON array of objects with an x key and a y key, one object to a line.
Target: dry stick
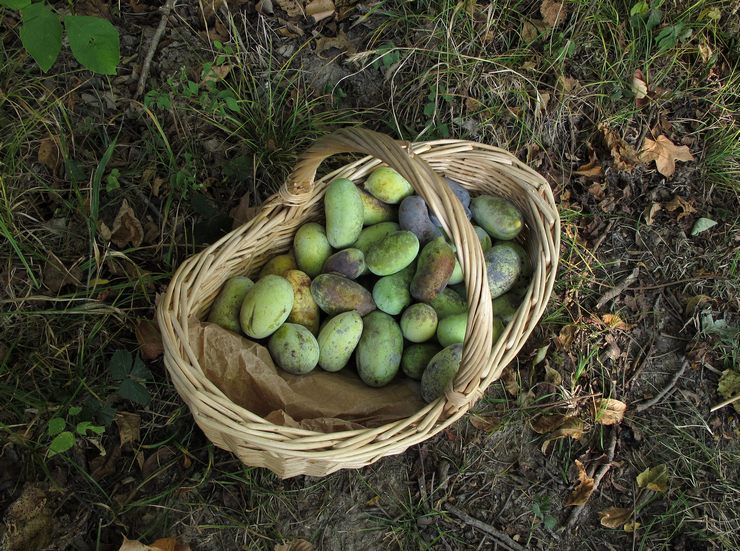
[
  {"x": 616, "y": 291},
  {"x": 166, "y": 9},
  {"x": 725, "y": 403},
  {"x": 501, "y": 538},
  {"x": 576, "y": 512},
  {"x": 642, "y": 406}
]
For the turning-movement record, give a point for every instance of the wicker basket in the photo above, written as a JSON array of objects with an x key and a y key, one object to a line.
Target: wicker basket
[{"x": 293, "y": 451}]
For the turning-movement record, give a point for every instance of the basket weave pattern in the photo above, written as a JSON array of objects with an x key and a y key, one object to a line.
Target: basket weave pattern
[{"x": 289, "y": 451}]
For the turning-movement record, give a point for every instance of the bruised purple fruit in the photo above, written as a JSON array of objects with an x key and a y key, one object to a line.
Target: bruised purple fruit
[
  {"x": 336, "y": 294},
  {"x": 413, "y": 215},
  {"x": 462, "y": 195},
  {"x": 348, "y": 262}
]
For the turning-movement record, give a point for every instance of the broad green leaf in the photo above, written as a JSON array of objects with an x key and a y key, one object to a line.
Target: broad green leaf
[
  {"x": 140, "y": 371},
  {"x": 61, "y": 443},
  {"x": 654, "y": 478},
  {"x": 56, "y": 425},
  {"x": 640, "y": 8},
  {"x": 95, "y": 43},
  {"x": 120, "y": 364},
  {"x": 134, "y": 391},
  {"x": 85, "y": 426},
  {"x": 541, "y": 354},
  {"x": 702, "y": 224},
  {"x": 41, "y": 34},
  {"x": 15, "y": 4},
  {"x": 74, "y": 410}
]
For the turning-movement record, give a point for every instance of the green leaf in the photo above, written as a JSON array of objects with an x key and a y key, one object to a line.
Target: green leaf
[
  {"x": 41, "y": 34},
  {"x": 74, "y": 410},
  {"x": 15, "y": 4},
  {"x": 120, "y": 364},
  {"x": 729, "y": 386},
  {"x": 85, "y": 426},
  {"x": 95, "y": 43},
  {"x": 140, "y": 371},
  {"x": 134, "y": 391},
  {"x": 702, "y": 224},
  {"x": 61, "y": 443},
  {"x": 654, "y": 478},
  {"x": 232, "y": 104},
  {"x": 56, "y": 425},
  {"x": 640, "y": 8},
  {"x": 111, "y": 181}
]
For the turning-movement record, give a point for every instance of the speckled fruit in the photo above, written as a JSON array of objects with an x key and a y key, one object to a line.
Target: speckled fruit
[
  {"x": 380, "y": 349},
  {"x": 498, "y": 216},
  {"x": 440, "y": 372},
  {"x": 416, "y": 357},
  {"x": 502, "y": 268},
  {"x": 419, "y": 322},
  {"x": 294, "y": 349},
  {"x": 305, "y": 311},
  {"x": 228, "y": 303},
  {"x": 266, "y": 306},
  {"x": 392, "y": 253},
  {"x": 311, "y": 248},
  {"x": 336, "y": 294},
  {"x": 388, "y": 185},
  {"x": 338, "y": 339},
  {"x": 344, "y": 213}
]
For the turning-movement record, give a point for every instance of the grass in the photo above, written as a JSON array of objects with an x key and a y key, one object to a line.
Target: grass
[{"x": 199, "y": 141}]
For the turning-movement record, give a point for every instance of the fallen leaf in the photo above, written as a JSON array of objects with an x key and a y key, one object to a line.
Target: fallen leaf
[
  {"x": 511, "y": 384},
  {"x": 592, "y": 169},
  {"x": 597, "y": 190},
  {"x": 654, "y": 478},
  {"x": 56, "y": 276},
  {"x": 585, "y": 487},
  {"x": 614, "y": 517},
  {"x": 546, "y": 423},
  {"x": 702, "y": 225},
  {"x": 553, "y": 12},
  {"x": 488, "y": 423},
  {"x": 291, "y": 7},
  {"x": 320, "y": 9},
  {"x": 679, "y": 202},
  {"x": 639, "y": 87},
  {"x": 631, "y": 526},
  {"x": 624, "y": 155},
  {"x": 149, "y": 338},
  {"x": 692, "y": 303},
  {"x": 126, "y": 228},
  {"x": 373, "y": 501},
  {"x": 217, "y": 73},
  {"x": 608, "y": 411},
  {"x": 613, "y": 321},
  {"x": 541, "y": 354},
  {"x": 552, "y": 376},
  {"x": 295, "y": 545},
  {"x": 532, "y": 28},
  {"x": 729, "y": 386},
  {"x": 705, "y": 51},
  {"x": 49, "y": 154},
  {"x": 162, "y": 544},
  {"x": 665, "y": 154},
  {"x": 157, "y": 460},
  {"x": 541, "y": 102},
  {"x": 243, "y": 213},
  {"x": 264, "y": 7},
  {"x": 568, "y": 84},
  {"x": 565, "y": 337},
  {"x": 128, "y": 427},
  {"x": 341, "y": 42},
  {"x": 571, "y": 428},
  {"x": 650, "y": 213}
]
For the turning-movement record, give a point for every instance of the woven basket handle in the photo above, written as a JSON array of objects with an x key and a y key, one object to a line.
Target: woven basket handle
[{"x": 442, "y": 201}]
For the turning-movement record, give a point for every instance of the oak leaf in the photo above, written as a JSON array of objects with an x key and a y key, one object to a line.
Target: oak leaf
[
  {"x": 679, "y": 202},
  {"x": 584, "y": 489},
  {"x": 665, "y": 154}
]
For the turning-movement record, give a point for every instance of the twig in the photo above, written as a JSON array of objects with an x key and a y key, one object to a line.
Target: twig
[
  {"x": 166, "y": 10},
  {"x": 642, "y": 406},
  {"x": 725, "y": 403},
  {"x": 616, "y": 291},
  {"x": 576, "y": 512},
  {"x": 501, "y": 538}
]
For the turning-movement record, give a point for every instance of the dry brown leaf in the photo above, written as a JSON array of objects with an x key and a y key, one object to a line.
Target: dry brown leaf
[
  {"x": 292, "y": 7},
  {"x": 679, "y": 202},
  {"x": 320, "y": 9},
  {"x": 650, "y": 213},
  {"x": 373, "y": 501},
  {"x": 639, "y": 87},
  {"x": 571, "y": 428},
  {"x": 217, "y": 73},
  {"x": 624, "y": 155},
  {"x": 613, "y": 321},
  {"x": 592, "y": 169},
  {"x": 511, "y": 384},
  {"x": 295, "y": 545},
  {"x": 158, "y": 459},
  {"x": 552, "y": 375},
  {"x": 631, "y": 526},
  {"x": 264, "y": 7},
  {"x": 341, "y": 42},
  {"x": 609, "y": 411},
  {"x": 126, "y": 228},
  {"x": 546, "y": 423},
  {"x": 487, "y": 423},
  {"x": 692, "y": 303},
  {"x": 565, "y": 337},
  {"x": 585, "y": 487},
  {"x": 162, "y": 544},
  {"x": 553, "y": 12},
  {"x": 542, "y": 100},
  {"x": 49, "y": 154},
  {"x": 665, "y": 154},
  {"x": 128, "y": 427},
  {"x": 149, "y": 338},
  {"x": 56, "y": 276},
  {"x": 705, "y": 51},
  {"x": 614, "y": 517},
  {"x": 531, "y": 29},
  {"x": 568, "y": 84},
  {"x": 243, "y": 213}
]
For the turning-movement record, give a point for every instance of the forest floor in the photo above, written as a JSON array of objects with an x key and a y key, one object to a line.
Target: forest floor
[{"x": 630, "y": 111}]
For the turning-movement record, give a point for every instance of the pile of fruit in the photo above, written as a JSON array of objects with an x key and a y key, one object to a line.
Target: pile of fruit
[{"x": 379, "y": 280}]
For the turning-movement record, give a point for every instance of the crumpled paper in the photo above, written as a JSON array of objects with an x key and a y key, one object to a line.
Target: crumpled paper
[{"x": 324, "y": 402}]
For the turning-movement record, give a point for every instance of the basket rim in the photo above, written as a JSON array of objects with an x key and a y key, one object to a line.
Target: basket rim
[{"x": 537, "y": 191}]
